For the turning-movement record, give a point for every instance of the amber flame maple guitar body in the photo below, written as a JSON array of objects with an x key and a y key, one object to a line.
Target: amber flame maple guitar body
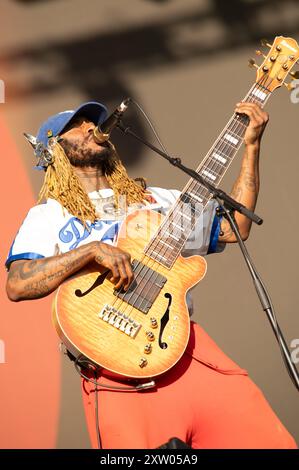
[{"x": 92, "y": 321}]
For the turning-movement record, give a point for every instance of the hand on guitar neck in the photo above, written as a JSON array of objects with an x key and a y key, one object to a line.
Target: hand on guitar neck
[
  {"x": 246, "y": 186},
  {"x": 258, "y": 119}
]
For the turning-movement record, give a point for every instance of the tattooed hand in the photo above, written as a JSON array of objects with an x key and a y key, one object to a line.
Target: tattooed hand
[
  {"x": 117, "y": 261},
  {"x": 246, "y": 186},
  {"x": 257, "y": 121}
]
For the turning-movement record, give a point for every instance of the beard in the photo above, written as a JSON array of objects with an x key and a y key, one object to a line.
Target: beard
[{"x": 81, "y": 156}]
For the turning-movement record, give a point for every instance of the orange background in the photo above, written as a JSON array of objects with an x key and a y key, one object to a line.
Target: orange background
[{"x": 30, "y": 376}]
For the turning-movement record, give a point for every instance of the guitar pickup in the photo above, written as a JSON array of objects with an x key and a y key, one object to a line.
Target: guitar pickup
[{"x": 144, "y": 289}]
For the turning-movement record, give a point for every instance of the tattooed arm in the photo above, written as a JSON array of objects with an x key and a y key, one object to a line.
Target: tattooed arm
[
  {"x": 33, "y": 279},
  {"x": 246, "y": 187}
]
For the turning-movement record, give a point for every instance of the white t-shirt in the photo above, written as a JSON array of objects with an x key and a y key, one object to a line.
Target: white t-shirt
[{"x": 48, "y": 229}]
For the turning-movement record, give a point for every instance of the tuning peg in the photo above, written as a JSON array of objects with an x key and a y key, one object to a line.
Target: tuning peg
[
  {"x": 260, "y": 53},
  {"x": 289, "y": 86},
  {"x": 295, "y": 74},
  {"x": 264, "y": 42},
  {"x": 252, "y": 64}
]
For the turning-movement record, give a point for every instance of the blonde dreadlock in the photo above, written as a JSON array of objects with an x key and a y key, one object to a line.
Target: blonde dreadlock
[{"x": 62, "y": 184}]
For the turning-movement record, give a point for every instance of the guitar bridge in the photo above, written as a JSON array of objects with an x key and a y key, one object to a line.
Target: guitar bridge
[{"x": 120, "y": 321}]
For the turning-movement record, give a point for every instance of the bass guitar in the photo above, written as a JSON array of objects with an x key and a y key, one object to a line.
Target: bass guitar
[{"x": 143, "y": 332}]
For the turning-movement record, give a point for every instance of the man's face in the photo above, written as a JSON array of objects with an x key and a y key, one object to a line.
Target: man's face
[{"x": 80, "y": 146}]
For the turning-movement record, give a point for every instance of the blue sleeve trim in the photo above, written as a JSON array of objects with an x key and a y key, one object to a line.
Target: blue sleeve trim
[
  {"x": 12, "y": 258},
  {"x": 214, "y": 234}
]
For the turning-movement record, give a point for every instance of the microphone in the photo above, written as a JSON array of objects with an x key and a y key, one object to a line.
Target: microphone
[{"x": 102, "y": 133}]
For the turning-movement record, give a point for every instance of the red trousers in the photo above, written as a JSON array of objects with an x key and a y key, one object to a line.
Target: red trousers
[{"x": 206, "y": 400}]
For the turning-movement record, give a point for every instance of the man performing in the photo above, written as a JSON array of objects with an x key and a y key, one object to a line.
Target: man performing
[{"x": 206, "y": 400}]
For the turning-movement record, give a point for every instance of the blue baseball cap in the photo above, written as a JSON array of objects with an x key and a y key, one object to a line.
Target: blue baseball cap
[{"x": 96, "y": 112}]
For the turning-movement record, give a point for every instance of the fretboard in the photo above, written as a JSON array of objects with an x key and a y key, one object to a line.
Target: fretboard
[{"x": 171, "y": 236}]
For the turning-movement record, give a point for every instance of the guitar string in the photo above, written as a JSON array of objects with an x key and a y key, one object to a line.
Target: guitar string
[{"x": 237, "y": 126}]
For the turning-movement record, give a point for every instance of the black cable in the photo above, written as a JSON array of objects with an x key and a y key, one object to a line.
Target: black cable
[
  {"x": 96, "y": 409},
  {"x": 81, "y": 362},
  {"x": 134, "y": 388},
  {"x": 150, "y": 124}
]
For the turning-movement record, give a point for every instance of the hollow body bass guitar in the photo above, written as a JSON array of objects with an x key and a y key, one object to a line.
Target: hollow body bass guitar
[{"x": 144, "y": 331}]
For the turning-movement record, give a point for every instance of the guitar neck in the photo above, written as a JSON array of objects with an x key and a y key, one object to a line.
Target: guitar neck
[{"x": 170, "y": 238}]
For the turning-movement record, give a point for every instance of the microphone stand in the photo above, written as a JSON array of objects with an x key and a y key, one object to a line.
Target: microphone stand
[{"x": 227, "y": 206}]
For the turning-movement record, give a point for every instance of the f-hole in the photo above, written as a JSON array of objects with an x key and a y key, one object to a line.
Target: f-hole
[
  {"x": 99, "y": 280},
  {"x": 164, "y": 321}
]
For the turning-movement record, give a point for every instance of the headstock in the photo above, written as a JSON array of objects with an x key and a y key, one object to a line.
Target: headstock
[{"x": 277, "y": 65}]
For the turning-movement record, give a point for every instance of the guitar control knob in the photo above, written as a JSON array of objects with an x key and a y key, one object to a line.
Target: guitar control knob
[
  {"x": 150, "y": 335},
  {"x": 142, "y": 362},
  {"x": 148, "y": 348},
  {"x": 154, "y": 323}
]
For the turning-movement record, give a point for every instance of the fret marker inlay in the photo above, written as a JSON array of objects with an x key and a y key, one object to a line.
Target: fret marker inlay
[
  {"x": 219, "y": 158},
  {"x": 260, "y": 94},
  {"x": 209, "y": 175},
  {"x": 231, "y": 139},
  {"x": 173, "y": 236},
  {"x": 160, "y": 256},
  {"x": 177, "y": 226},
  {"x": 196, "y": 197},
  {"x": 167, "y": 244}
]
